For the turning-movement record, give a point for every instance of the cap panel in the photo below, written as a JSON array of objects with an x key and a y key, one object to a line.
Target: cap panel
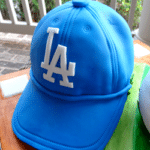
[
  {"x": 123, "y": 41},
  {"x": 63, "y": 127},
  {"x": 39, "y": 46},
  {"x": 53, "y": 18},
  {"x": 51, "y": 13},
  {"x": 120, "y": 34},
  {"x": 87, "y": 46}
]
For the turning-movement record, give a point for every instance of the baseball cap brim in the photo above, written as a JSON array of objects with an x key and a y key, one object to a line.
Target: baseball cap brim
[{"x": 46, "y": 121}]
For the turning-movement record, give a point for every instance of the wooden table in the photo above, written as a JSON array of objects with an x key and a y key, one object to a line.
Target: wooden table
[
  {"x": 144, "y": 59},
  {"x": 8, "y": 139}
]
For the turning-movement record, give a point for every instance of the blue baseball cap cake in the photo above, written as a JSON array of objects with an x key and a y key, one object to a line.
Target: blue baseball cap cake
[{"x": 81, "y": 62}]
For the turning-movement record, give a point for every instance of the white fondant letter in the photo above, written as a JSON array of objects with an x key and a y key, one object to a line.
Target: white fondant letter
[{"x": 61, "y": 52}]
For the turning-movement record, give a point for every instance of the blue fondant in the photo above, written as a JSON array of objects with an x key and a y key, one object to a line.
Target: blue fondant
[
  {"x": 80, "y": 3},
  {"x": 50, "y": 116}
]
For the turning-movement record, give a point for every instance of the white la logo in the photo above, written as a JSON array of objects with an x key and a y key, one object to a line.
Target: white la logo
[{"x": 51, "y": 68}]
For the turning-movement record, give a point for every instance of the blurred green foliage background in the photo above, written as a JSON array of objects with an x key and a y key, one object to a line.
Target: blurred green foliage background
[{"x": 122, "y": 7}]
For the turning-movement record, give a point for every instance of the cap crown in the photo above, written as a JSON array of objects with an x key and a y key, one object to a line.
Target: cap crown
[{"x": 93, "y": 50}]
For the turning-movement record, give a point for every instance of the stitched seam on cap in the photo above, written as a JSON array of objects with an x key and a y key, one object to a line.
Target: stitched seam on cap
[
  {"x": 113, "y": 51},
  {"x": 72, "y": 15},
  {"x": 117, "y": 70},
  {"x": 81, "y": 97},
  {"x": 73, "y": 25},
  {"x": 108, "y": 46},
  {"x": 62, "y": 39}
]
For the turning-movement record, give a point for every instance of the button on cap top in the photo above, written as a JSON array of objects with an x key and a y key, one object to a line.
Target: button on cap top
[{"x": 80, "y": 3}]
